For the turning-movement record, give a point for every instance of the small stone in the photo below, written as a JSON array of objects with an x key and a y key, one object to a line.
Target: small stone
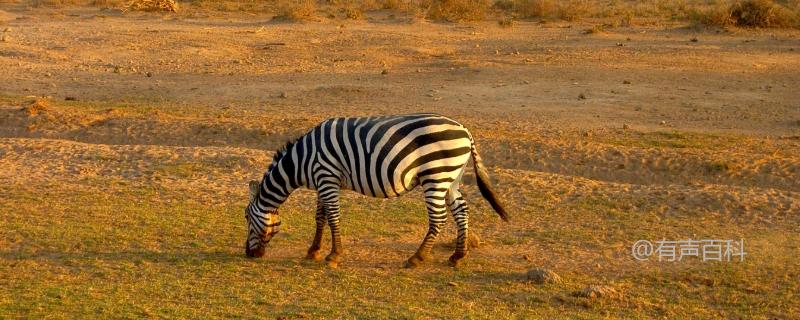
[
  {"x": 540, "y": 276},
  {"x": 694, "y": 40},
  {"x": 452, "y": 284},
  {"x": 587, "y": 134},
  {"x": 582, "y": 96},
  {"x": 385, "y": 71},
  {"x": 527, "y": 257},
  {"x": 662, "y": 122},
  {"x": 148, "y": 74},
  {"x": 70, "y": 98},
  {"x": 284, "y": 95},
  {"x": 626, "y": 82},
  {"x": 625, "y": 126}
]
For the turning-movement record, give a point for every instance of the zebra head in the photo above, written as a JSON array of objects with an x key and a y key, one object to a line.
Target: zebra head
[{"x": 261, "y": 227}]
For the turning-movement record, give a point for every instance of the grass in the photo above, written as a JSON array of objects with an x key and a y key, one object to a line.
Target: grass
[{"x": 109, "y": 246}]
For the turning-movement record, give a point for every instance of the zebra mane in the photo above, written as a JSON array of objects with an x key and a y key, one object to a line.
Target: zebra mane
[{"x": 281, "y": 152}]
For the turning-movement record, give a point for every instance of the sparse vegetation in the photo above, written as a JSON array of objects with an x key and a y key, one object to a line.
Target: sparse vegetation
[
  {"x": 614, "y": 13},
  {"x": 458, "y": 10},
  {"x": 748, "y": 13},
  {"x": 297, "y": 10}
]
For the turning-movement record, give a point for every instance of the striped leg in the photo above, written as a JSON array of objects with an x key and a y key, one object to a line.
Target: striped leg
[
  {"x": 329, "y": 196},
  {"x": 313, "y": 251},
  {"x": 460, "y": 211},
  {"x": 437, "y": 215}
]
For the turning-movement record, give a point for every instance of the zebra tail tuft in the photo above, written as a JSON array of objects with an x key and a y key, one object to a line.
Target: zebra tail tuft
[{"x": 485, "y": 185}]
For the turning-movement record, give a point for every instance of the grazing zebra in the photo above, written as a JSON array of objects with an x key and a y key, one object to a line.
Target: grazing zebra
[{"x": 376, "y": 156}]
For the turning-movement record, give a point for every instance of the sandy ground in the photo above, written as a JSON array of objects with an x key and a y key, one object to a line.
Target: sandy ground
[{"x": 644, "y": 118}]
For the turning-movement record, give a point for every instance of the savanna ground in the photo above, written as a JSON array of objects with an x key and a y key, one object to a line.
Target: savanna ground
[{"x": 128, "y": 139}]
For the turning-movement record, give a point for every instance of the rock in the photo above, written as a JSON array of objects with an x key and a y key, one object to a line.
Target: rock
[
  {"x": 284, "y": 95},
  {"x": 598, "y": 291},
  {"x": 626, "y": 82},
  {"x": 541, "y": 276},
  {"x": 148, "y": 74},
  {"x": 385, "y": 71},
  {"x": 694, "y": 40},
  {"x": 662, "y": 122},
  {"x": 582, "y": 96},
  {"x": 70, "y": 98},
  {"x": 452, "y": 284},
  {"x": 625, "y": 126}
]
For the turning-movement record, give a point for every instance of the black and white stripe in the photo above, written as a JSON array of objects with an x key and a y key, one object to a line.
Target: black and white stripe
[{"x": 375, "y": 156}]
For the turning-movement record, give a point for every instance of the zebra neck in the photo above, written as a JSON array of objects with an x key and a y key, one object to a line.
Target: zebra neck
[{"x": 275, "y": 189}]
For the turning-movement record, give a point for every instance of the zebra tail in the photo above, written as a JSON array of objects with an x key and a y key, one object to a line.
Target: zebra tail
[{"x": 485, "y": 185}]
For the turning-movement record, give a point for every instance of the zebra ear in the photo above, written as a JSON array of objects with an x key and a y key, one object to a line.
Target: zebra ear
[{"x": 253, "y": 189}]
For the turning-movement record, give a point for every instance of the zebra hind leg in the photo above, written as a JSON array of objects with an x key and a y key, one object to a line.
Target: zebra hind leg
[
  {"x": 316, "y": 245},
  {"x": 437, "y": 216},
  {"x": 460, "y": 212}
]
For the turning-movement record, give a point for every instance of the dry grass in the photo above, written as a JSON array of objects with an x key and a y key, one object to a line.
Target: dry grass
[
  {"x": 297, "y": 10},
  {"x": 750, "y": 13},
  {"x": 458, "y": 10},
  {"x": 153, "y": 5}
]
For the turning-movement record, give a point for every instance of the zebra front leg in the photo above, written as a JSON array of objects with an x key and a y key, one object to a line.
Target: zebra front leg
[
  {"x": 313, "y": 251},
  {"x": 330, "y": 201},
  {"x": 460, "y": 212},
  {"x": 437, "y": 215}
]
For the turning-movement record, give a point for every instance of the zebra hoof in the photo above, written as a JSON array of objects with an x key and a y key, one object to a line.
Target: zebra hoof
[
  {"x": 414, "y": 261},
  {"x": 333, "y": 257},
  {"x": 455, "y": 259},
  {"x": 314, "y": 255}
]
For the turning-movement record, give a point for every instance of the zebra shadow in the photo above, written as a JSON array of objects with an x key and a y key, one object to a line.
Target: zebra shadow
[{"x": 125, "y": 256}]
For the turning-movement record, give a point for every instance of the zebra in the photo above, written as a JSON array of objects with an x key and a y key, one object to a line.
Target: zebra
[{"x": 382, "y": 157}]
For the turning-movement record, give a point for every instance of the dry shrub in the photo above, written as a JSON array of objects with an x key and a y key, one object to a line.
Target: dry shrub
[
  {"x": 505, "y": 22},
  {"x": 458, "y": 10},
  {"x": 505, "y": 5},
  {"x": 568, "y": 10},
  {"x": 759, "y": 13},
  {"x": 747, "y": 13},
  {"x": 536, "y": 8},
  {"x": 391, "y": 4},
  {"x": 575, "y": 9},
  {"x": 353, "y": 13},
  {"x": 36, "y": 107},
  {"x": 297, "y": 10},
  {"x": 152, "y": 5}
]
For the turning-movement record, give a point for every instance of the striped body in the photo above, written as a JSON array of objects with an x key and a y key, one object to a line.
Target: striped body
[{"x": 376, "y": 156}]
